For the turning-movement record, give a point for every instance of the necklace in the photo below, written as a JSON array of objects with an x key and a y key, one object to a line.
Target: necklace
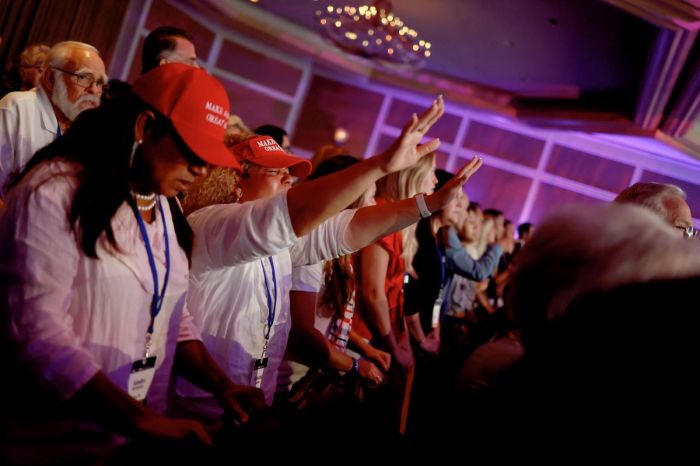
[
  {"x": 150, "y": 198},
  {"x": 143, "y": 197},
  {"x": 147, "y": 207}
]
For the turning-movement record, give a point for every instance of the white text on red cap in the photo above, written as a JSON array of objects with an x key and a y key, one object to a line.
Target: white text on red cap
[
  {"x": 269, "y": 145},
  {"x": 218, "y": 110}
]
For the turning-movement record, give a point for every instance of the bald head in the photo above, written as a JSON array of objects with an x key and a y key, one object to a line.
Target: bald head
[
  {"x": 667, "y": 200},
  {"x": 74, "y": 78}
]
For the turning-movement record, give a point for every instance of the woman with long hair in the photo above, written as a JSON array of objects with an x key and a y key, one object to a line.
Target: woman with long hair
[
  {"x": 383, "y": 267},
  {"x": 322, "y": 302},
  {"x": 94, "y": 273}
]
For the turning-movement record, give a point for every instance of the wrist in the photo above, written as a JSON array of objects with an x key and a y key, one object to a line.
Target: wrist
[
  {"x": 423, "y": 209},
  {"x": 433, "y": 202},
  {"x": 390, "y": 341},
  {"x": 378, "y": 166}
]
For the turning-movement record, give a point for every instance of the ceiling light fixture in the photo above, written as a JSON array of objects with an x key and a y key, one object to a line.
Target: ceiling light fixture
[{"x": 374, "y": 32}]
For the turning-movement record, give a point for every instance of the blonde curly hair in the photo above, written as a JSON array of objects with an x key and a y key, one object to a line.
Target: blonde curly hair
[{"x": 220, "y": 187}]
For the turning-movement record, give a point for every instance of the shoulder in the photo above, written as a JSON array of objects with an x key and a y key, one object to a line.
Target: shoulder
[
  {"x": 51, "y": 178},
  {"x": 392, "y": 242},
  {"x": 45, "y": 193},
  {"x": 19, "y": 99},
  {"x": 213, "y": 212}
]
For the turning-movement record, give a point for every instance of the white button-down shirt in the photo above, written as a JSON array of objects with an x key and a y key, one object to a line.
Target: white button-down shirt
[
  {"x": 27, "y": 123},
  {"x": 70, "y": 316},
  {"x": 228, "y": 295}
]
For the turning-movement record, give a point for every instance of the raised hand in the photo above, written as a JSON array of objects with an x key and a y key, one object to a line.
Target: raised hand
[
  {"x": 453, "y": 188},
  {"x": 407, "y": 150}
]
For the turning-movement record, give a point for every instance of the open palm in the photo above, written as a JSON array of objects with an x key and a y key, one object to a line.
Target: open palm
[
  {"x": 406, "y": 149},
  {"x": 454, "y": 187}
]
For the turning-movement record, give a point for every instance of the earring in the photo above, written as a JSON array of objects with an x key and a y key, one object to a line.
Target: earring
[{"x": 136, "y": 145}]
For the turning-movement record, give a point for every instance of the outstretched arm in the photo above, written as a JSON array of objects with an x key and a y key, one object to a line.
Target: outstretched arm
[
  {"x": 312, "y": 202},
  {"x": 372, "y": 223}
]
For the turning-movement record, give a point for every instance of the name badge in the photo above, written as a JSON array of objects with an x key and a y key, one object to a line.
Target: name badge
[
  {"x": 141, "y": 376},
  {"x": 259, "y": 366}
]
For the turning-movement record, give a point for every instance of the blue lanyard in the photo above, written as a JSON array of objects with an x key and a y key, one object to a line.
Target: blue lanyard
[
  {"x": 58, "y": 131},
  {"x": 270, "y": 306},
  {"x": 157, "y": 301}
]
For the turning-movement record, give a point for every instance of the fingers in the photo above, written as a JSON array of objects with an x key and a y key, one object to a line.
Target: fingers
[
  {"x": 428, "y": 118},
  {"x": 433, "y": 116},
  {"x": 387, "y": 361},
  {"x": 411, "y": 125},
  {"x": 238, "y": 411},
  {"x": 201, "y": 435},
  {"x": 470, "y": 168},
  {"x": 428, "y": 147}
]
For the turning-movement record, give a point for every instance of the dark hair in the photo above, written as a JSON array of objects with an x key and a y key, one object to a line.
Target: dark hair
[
  {"x": 100, "y": 141},
  {"x": 275, "y": 132},
  {"x": 114, "y": 88},
  {"x": 339, "y": 277},
  {"x": 493, "y": 213},
  {"x": 523, "y": 229},
  {"x": 473, "y": 206},
  {"x": 332, "y": 165},
  {"x": 158, "y": 41},
  {"x": 443, "y": 176}
]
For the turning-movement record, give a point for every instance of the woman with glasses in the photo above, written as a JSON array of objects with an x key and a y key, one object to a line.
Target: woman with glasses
[{"x": 94, "y": 273}]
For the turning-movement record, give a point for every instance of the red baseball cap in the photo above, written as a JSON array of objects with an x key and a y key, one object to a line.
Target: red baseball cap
[
  {"x": 195, "y": 103},
  {"x": 264, "y": 151}
]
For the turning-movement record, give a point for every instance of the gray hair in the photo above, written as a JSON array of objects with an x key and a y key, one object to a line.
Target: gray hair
[
  {"x": 651, "y": 196},
  {"x": 583, "y": 249},
  {"x": 60, "y": 52}
]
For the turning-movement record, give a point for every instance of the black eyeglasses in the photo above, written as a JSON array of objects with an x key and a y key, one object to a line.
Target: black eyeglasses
[
  {"x": 85, "y": 80},
  {"x": 688, "y": 232}
]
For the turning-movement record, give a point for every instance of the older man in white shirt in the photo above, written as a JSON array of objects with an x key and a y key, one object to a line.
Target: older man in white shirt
[{"x": 72, "y": 82}]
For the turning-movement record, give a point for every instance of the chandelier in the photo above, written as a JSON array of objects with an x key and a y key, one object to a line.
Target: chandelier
[{"x": 374, "y": 32}]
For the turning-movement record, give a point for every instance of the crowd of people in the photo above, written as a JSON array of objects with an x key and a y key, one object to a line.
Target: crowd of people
[{"x": 173, "y": 283}]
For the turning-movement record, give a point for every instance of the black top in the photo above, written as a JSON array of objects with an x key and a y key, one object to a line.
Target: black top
[{"x": 421, "y": 292}]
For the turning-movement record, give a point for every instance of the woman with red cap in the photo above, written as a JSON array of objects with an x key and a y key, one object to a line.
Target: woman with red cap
[
  {"x": 94, "y": 273},
  {"x": 243, "y": 256}
]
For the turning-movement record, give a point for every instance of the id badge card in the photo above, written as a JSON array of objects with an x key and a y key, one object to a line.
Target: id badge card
[
  {"x": 141, "y": 376},
  {"x": 435, "y": 320},
  {"x": 259, "y": 366}
]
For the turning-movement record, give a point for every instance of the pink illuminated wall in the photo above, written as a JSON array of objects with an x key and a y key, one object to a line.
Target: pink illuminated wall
[{"x": 527, "y": 171}]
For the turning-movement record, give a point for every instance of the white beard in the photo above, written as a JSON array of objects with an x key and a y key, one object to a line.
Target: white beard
[{"x": 71, "y": 110}]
